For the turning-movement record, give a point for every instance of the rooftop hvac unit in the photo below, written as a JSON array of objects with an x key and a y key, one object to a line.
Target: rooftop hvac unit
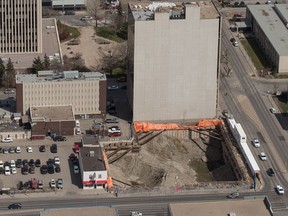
[
  {"x": 232, "y": 214},
  {"x": 91, "y": 153}
]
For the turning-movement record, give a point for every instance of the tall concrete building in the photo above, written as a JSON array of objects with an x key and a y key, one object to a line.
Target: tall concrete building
[
  {"x": 20, "y": 26},
  {"x": 173, "y": 60},
  {"x": 86, "y": 92}
]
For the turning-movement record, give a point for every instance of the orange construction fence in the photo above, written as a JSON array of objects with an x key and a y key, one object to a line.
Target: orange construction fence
[{"x": 146, "y": 126}]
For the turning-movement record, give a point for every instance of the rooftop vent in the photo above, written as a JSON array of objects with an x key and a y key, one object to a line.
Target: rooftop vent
[{"x": 91, "y": 153}]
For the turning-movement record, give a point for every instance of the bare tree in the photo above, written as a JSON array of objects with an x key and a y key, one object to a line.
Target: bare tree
[{"x": 93, "y": 8}]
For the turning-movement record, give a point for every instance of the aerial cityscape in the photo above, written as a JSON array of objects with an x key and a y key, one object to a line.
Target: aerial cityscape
[{"x": 135, "y": 108}]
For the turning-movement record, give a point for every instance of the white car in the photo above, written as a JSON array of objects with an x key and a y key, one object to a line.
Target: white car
[
  {"x": 13, "y": 170},
  {"x": 29, "y": 149},
  {"x": 273, "y": 110},
  {"x": 75, "y": 169},
  {"x": 135, "y": 213},
  {"x": 12, "y": 164},
  {"x": 7, "y": 170},
  {"x": 256, "y": 143},
  {"x": 235, "y": 43},
  {"x": 280, "y": 190},
  {"x": 18, "y": 150},
  {"x": 1, "y": 164},
  {"x": 56, "y": 160},
  {"x": 113, "y": 87},
  {"x": 7, "y": 140},
  {"x": 263, "y": 156},
  {"x": 52, "y": 183}
]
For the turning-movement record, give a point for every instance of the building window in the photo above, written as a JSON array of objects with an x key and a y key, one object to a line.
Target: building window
[
  {"x": 91, "y": 177},
  {"x": 99, "y": 176}
]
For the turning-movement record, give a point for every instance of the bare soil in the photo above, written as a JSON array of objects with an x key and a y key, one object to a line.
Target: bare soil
[{"x": 167, "y": 162}]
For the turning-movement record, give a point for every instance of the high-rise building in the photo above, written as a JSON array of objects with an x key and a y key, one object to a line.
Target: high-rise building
[
  {"x": 173, "y": 60},
  {"x": 20, "y": 26}
]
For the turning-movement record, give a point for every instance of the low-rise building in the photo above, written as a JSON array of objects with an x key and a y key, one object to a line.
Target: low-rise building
[
  {"x": 49, "y": 120},
  {"x": 86, "y": 91},
  {"x": 92, "y": 167},
  {"x": 68, "y": 4}
]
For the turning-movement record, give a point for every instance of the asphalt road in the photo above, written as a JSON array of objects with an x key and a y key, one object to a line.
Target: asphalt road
[{"x": 271, "y": 134}]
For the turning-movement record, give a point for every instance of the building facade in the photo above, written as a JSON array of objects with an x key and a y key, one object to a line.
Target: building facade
[
  {"x": 68, "y": 4},
  {"x": 86, "y": 91},
  {"x": 173, "y": 60},
  {"x": 20, "y": 26},
  {"x": 269, "y": 26}
]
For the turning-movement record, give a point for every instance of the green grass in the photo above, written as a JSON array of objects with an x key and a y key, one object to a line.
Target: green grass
[
  {"x": 108, "y": 33},
  {"x": 255, "y": 53},
  {"x": 67, "y": 32},
  {"x": 281, "y": 102}
]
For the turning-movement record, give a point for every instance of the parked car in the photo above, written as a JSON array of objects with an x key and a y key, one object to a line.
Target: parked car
[
  {"x": 280, "y": 190},
  {"x": 50, "y": 169},
  {"x": 9, "y": 91},
  {"x": 19, "y": 163},
  {"x": 270, "y": 172},
  {"x": 38, "y": 163},
  {"x": 11, "y": 150},
  {"x": 20, "y": 185},
  {"x": 72, "y": 157},
  {"x": 57, "y": 168},
  {"x": 18, "y": 149},
  {"x": 76, "y": 169},
  {"x": 42, "y": 148},
  {"x": 7, "y": 170},
  {"x": 31, "y": 162},
  {"x": 113, "y": 87},
  {"x": 60, "y": 183},
  {"x": 13, "y": 170},
  {"x": 44, "y": 169},
  {"x": 32, "y": 169},
  {"x": 50, "y": 162},
  {"x": 5, "y": 151},
  {"x": 25, "y": 162},
  {"x": 25, "y": 170},
  {"x": 56, "y": 160},
  {"x": 136, "y": 213},
  {"x": 53, "y": 148},
  {"x": 12, "y": 164},
  {"x": 1, "y": 171},
  {"x": 29, "y": 149},
  {"x": 52, "y": 183},
  {"x": 40, "y": 184},
  {"x": 86, "y": 18},
  {"x": 15, "y": 206},
  {"x": 69, "y": 12},
  {"x": 7, "y": 140},
  {"x": 59, "y": 138},
  {"x": 1, "y": 164}
]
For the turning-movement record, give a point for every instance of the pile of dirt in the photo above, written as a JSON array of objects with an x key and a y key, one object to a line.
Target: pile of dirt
[{"x": 168, "y": 162}]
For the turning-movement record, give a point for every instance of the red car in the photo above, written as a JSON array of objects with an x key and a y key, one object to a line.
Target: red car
[{"x": 76, "y": 148}]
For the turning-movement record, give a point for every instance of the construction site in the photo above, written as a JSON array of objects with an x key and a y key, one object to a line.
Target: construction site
[{"x": 170, "y": 156}]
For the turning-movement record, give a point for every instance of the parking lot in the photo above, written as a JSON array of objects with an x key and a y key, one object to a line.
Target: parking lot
[{"x": 71, "y": 181}]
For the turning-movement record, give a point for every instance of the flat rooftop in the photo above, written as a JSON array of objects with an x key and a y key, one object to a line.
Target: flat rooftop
[
  {"x": 89, "y": 140},
  {"x": 51, "y": 113},
  {"x": 271, "y": 24},
  {"x": 239, "y": 207},
  {"x": 50, "y": 47},
  {"x": 84, "y": 211},
  {"x": 92, "y": 162},
  {"x": 50, "y": 76},
  {"x": 145, "y": 10}
]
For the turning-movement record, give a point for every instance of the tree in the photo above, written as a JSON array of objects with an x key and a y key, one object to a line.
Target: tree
[
  {"x": 46, "y": 63},
  {"x": 2, "y": 70},
  {"x": 10, "y": 74},
  {"x": 37, "y": 65},
  {"x": 93, "y": 8}
]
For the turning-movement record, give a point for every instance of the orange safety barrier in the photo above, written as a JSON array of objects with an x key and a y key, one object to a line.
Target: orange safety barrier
[
  {"x": 146, "y": 126},
  {"x": 109, "y": 182}
]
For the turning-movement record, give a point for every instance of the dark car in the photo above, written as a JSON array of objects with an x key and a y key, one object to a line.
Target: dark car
[
  {"x": 31, "y": 162},
  {"x": 50, "y": 161},
  {"x": 242, "y": 4},
  {"x": 1, "y": 150},
  {"x": 6, "y": 164},
  {"x": 19, "y": 163},
  {"x": 20, "y": 185},
  {"x": 25, "y": 170},
  {"x": 233, "y": 195},
  {"x": 42, "y": 148},
  {"x": 53, "y": 148},
  {"x": 11, "y": 150},
  {"x": 15, "y": 206},
  {"x": 270, "y": 172},
  {"x": 72, "y": 157},
  {"x": 44, "y": 169},
  {"x": 69, "y": 12},
  {"x": 32, "y": 169},
  {"x": 57, "y": 169},
  {"x": 5, "y": 150},
  {"x": 50, "y": 169},
  {"x": 59, "y": 138},
  {"x": 1, "y": 170},
  {"x": 38, "y": 163},
  {"x": 236, "y": 4},
  {"x": 25, "y": 162}
]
